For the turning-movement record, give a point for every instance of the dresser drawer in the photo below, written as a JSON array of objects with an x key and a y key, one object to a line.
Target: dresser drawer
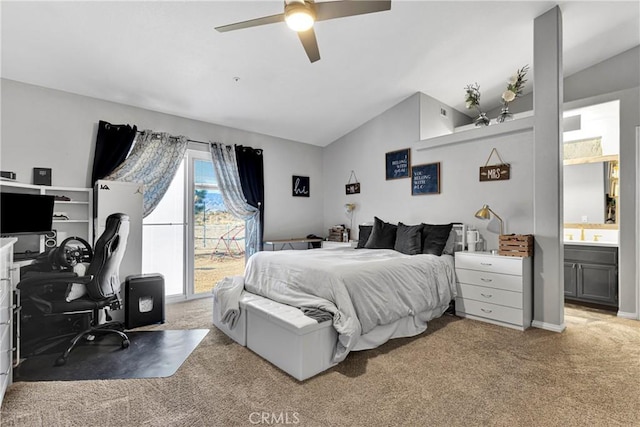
[
  {"x": 490, "y": 295},
  {"x": 490, "y": 311},
  {"x": 494, "y": 264},
  {"x": 492, "y": 280}
]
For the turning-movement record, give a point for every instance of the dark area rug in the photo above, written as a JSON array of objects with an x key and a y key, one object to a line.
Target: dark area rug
[{"x": 151, "y": 354}]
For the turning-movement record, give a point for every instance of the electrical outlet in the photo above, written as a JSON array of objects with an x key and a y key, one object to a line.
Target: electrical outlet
[
  {"x": 443, "y": 112},
  {"x": 585, "y": 218}
]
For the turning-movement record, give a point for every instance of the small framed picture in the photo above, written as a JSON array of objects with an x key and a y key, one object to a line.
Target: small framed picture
[
  {"x": 353, "y": 188},
  {"x": 397, "y": 164},
  {"x": 425, "y": 179},
  {"x": 300, "y": 186}
]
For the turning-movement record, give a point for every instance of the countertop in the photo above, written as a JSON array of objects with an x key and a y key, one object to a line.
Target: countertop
[{"x": 591, "y": 243}]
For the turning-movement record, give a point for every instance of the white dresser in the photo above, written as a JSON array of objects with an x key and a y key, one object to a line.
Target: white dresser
[
  {"x": 494, "y": 289},
  {"x": 8, "y": 280}
]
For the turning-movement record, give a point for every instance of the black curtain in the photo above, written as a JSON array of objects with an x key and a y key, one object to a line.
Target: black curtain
[
  {"x": 112, "y": 146},
  {"x": 251, "y": 171}
]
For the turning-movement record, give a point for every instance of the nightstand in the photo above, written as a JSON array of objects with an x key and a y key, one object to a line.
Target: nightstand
[{"x": 495, "y": 289}]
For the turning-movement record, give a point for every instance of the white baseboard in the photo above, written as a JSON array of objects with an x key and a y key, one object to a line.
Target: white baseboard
[
  {"x": 548, "y": 326},
  {"x": 626, "y": 315}
]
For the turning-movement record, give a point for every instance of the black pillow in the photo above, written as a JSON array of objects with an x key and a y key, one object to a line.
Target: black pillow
[
  {"x": 383, "y": 235},
  {"x": 409, "y": 239},
  {"x": 363, "y": 235},
  {"x": 435, "y": 238}
]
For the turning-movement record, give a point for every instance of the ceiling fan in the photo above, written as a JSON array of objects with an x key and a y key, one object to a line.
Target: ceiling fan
[{"x": 301, "y": 14}]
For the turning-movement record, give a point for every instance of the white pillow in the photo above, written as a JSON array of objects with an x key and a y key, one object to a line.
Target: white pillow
[{"x": 77, "y": 290}]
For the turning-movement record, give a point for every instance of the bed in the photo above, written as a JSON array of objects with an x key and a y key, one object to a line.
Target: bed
[{"x": 372, "y": 295}]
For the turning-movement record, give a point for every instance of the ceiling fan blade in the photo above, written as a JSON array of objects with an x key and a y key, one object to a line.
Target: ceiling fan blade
[
  {"x": 340, "y": 9},
  {"x": 252, "y": 23},
  {"x": 310, "y": 44}
]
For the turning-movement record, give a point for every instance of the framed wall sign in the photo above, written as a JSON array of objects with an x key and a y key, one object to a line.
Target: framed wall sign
[
  {"x": 499, "y": 172},
  {"x": 352, "y": 187},
  {"x": 397, "y": 164},
  {"x": 425, "y": 179},
  {"x": 300, "y": 186}
]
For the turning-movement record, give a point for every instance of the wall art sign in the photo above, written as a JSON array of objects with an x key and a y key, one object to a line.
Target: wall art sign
[
  {"x": 300, "y": 186},
  {"x": 397, "y": 164},
  {"x": 425, "y": 179},
  {"x": 352, "y": 187},
  {"x": 498, "y": 172}
]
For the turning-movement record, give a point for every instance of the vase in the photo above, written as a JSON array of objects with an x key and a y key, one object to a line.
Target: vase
[
  {"x": 482, "y": 119},
  {"x": 504, "y": 114}
]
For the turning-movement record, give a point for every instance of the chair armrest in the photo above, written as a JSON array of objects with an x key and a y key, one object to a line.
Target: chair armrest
[{"x": 41, "y": 279}]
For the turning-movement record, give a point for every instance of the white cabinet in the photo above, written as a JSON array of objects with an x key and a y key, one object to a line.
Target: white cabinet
[
  {"x": 73, "y": 209},
  {"x": 8, "y": 280},
  {"x": 495, "y": 289}
]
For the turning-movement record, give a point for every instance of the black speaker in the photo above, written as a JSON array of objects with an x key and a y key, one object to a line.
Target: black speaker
[
  {"x": 51, "y": 239},
  {"x": 42, "y": 176}
]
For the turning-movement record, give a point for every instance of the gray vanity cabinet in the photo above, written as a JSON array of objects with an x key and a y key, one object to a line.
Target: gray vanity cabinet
[{"x": 591, "y": 274}]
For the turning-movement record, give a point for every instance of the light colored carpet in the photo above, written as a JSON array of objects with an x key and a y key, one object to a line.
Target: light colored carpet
[{"x": 458, "y": 373}]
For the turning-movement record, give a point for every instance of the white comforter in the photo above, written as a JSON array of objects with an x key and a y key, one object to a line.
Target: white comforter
[{"x": 362, "y": 288}]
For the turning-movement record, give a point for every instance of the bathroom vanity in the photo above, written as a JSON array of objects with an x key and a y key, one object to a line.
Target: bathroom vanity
[{"x": 591, "y": 272}]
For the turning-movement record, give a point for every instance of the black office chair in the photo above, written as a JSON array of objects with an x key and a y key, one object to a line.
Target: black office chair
[{"x": 46, "y": 290}]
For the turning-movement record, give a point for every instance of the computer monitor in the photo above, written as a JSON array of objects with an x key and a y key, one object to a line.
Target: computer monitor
[{"x": 25, "y": 213}]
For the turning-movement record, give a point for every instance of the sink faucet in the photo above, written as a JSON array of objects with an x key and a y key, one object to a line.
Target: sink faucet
[
  {"x": 582, "y": 233},
  {"x": 596, "y": 237}
]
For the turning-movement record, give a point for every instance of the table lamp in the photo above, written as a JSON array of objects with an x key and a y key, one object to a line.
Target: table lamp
[{"x": 485, "y": 213}]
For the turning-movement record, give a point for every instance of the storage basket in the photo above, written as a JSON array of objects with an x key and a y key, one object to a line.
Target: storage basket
[{"x": 516, "y": 245}]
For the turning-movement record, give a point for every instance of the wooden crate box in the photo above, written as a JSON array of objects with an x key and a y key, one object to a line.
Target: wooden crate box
[{"x": 516, "y": 245}]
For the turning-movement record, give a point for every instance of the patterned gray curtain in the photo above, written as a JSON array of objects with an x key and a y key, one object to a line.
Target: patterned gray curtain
[
  {"x": 226, "y": 167},
  {"x": 153, "y": 161}
]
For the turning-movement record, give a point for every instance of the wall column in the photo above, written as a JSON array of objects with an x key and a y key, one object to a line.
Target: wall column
[{"x": 548, "y": 281}]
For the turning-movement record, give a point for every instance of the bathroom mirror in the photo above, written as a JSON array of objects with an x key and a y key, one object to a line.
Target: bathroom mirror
[{"x": 591, "y": 192}]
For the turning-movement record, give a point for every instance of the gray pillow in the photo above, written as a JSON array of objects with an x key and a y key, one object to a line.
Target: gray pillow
[
  {"x": 363, "y": 235},
  {"x": 383, "y": 235},
  {"x": 450, "y": 246},
  {"x": 435, "y": 239},
  {"x": 409, "y": 239}
]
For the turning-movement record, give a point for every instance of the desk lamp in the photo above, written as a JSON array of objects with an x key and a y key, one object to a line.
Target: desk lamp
[{"x": 485, "y": 213}]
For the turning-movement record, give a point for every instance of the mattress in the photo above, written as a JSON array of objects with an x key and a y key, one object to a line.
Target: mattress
[{"x": 364, "y": 289}]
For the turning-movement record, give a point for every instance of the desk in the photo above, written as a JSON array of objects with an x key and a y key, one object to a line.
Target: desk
[{"x": 290, "y": 242}]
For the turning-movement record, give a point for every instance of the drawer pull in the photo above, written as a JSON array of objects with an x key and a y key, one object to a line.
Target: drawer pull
[
  {"x": 486, "y": 310},
  {"x": 486, "y": 263},
  {"x": 5, "y": 279},
  {"x": 486, "y": 280},
  {"x": 486, "y": 296}
]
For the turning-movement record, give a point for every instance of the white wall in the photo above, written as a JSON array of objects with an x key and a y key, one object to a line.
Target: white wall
[
  {"x": 49, "y": 128},
  {"x": 461, "y": 193}
]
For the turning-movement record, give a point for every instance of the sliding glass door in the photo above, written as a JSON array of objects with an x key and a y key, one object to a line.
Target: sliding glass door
[
  {"x": 218, "y": 237},
  {"x": 190, "y": 237}
]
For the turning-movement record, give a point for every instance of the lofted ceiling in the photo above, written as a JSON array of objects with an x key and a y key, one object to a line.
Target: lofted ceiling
[{"x": 166, "y": 56}]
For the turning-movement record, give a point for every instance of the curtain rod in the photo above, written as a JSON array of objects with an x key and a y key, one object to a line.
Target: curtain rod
[{"x": 173, "y": 137}]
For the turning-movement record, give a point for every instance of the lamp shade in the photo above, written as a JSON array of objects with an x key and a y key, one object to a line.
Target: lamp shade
[{"x": 483, "y": 213}]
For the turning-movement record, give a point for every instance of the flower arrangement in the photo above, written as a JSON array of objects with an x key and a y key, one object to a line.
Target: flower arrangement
[
  {"x": 472, "y": 100},
  {"x": 514, "y": 89}
]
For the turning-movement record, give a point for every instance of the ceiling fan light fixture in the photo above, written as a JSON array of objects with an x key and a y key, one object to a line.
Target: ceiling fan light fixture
[{"x": 299, "y": 16}]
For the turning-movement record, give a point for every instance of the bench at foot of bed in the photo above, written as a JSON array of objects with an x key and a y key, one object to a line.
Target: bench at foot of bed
[{"x": 283, "y": 335}]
